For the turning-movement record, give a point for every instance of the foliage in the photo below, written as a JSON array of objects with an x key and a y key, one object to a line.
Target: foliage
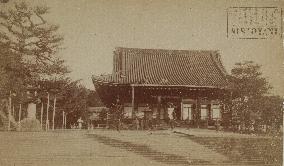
[
  {"x": 74, "y": 100},
  {"x": 28, "y": 47},
  {"x": 30, "y": 125},
  {"x": 94, "y": 99},
  {"x": 71, "y": 96},
  {"x": 270, "y": 109},
  {"x": 251, "y": 101},
  {"x": 103, "y": 115},
  {"x": 246, "y": 80}
]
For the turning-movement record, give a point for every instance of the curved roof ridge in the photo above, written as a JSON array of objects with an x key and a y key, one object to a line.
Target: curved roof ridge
[
  {"x": 153, "y": 66},
  {"x": 161, "y": 49},
  {"x": 218, "y": 62}
]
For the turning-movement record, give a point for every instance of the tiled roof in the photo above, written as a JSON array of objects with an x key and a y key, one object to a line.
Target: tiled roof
[{"x": 166, "y": 67}]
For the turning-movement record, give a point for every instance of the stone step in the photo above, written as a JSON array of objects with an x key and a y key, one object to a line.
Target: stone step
[{"x": 144, "y": 151}]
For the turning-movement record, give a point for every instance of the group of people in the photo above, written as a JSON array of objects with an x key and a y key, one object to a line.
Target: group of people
[
  {"x": 145, "y": 119},
  {"x": 77, "y": 125},
  {"x": 145, "y": 123},
  {"x": 148, "y": 120}
]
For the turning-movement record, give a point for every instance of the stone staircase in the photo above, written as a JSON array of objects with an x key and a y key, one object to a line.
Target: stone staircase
[
  {"x": 245, "y": 151},
  {"x": 147, "y": 152},
  {"x": 176, "y": 149}
]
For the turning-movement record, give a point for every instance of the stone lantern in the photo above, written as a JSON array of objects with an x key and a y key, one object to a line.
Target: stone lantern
[{"x": 32, "y": 100}]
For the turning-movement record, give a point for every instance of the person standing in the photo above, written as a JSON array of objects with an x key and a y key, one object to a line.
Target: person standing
[
  {"x": 118, "y": 125},
  {"x": 136, "y": 123},
  {"x": 142, "y": 122},
  {"x": 80, "y": 122},
  {"x": 187, "y": 123},
  {"x": 217, "y": 124},
  {"x": 150, "y": 121},
  {"x": 171, "y": 115},
  {"x": 148, "y": 115}
]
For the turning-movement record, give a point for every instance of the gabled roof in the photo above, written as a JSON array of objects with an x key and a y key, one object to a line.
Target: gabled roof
[{"x": 166, "y": 67}]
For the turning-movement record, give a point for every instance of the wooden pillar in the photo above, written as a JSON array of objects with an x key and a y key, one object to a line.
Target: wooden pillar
[
  {"x": 208, "y": 113},
  {"x": 159, "y": 106},
  {"x": 133, "y": 101},
  {"x": 197, "y": 112},
  {"x": 181, "y": 111}
]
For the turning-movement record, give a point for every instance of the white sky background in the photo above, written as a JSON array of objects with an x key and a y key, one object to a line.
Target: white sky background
[{"x": 93, "y": 28}]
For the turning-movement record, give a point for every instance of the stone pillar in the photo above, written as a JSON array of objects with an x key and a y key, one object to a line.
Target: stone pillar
[{"x": 31, "y": 111}]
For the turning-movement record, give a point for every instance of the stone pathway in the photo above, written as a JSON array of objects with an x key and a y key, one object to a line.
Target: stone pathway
[
  {"x": 214, "y": 133},
  {"x": 63, "y": 148},
  {"x": 243, "y": 149},
  {"x": 108, "y": 147},
  {"x": 163, "y": 143}
]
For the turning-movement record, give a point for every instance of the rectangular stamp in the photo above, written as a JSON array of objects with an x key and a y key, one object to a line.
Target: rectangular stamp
[{"x": 254, "y": 22}]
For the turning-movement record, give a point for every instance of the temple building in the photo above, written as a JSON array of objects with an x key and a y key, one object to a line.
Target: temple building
[{"x": 194, "y": 82}]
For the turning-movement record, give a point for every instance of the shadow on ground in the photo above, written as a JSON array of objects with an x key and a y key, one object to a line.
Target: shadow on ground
[
  {"x": 147, "y": 152},
  {"x": 247, "y": 151}
]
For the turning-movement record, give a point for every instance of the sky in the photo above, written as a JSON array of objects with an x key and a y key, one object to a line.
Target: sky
[{"x": 93, "y": 28}]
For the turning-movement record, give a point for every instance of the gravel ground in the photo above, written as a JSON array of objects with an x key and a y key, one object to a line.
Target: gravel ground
[
  {"x": 62, "y": 148},
  {"x": 109, "y": 147}
]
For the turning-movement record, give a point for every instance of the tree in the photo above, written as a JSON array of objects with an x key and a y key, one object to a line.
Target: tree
[
  {"x": 270, "y": 110},
  {"x": 74, "y": 101},
  {"x": 71, "y": 98},
  {"x": 251, "y": 101},
  {"x": 4, "y": 1},
  {"x": 28, "y": 49},
  {"x": 28, "y": 46},
  {"x": 246, "y": 80}
]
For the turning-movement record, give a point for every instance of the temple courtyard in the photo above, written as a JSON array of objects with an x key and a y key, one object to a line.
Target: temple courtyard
[{"x": 127, "y": 147}]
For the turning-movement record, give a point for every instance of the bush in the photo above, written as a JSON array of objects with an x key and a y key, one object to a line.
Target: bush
[{"x": 30, "y": 125}]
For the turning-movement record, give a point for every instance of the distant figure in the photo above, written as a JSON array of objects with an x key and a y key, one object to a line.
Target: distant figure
[
  {"x": 148, "y": 116},
  {"x": 171, "y": 114},
  {"x": 92, "y": 126},
  {"x": 80, "y": 121},
  {"x": 142, "y": 123},
  {"x": 136, "y": 123},
  {"x": 188, "y": 123},
  {"x": 118, "y": 124},
  {"x": 150, "y": 122},
  {"x": 218, "y": 125}
]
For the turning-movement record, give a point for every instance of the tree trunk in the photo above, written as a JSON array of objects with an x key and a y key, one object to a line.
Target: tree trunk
[
  {"x": 53, "y": 115},
  {"x": 20, "y": 113},
  {"x": 47, "y": 108},
  {"x": 9, "y": 112},
  {"x": 63, "y": 119},
  {"x": 41, "y": 113}
]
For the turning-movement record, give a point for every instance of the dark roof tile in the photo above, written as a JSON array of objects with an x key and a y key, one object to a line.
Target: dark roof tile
[{"x": 168, "y": 67}]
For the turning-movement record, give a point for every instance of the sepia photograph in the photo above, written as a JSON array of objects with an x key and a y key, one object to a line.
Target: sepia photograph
[{"x": 141, "y": 82}]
